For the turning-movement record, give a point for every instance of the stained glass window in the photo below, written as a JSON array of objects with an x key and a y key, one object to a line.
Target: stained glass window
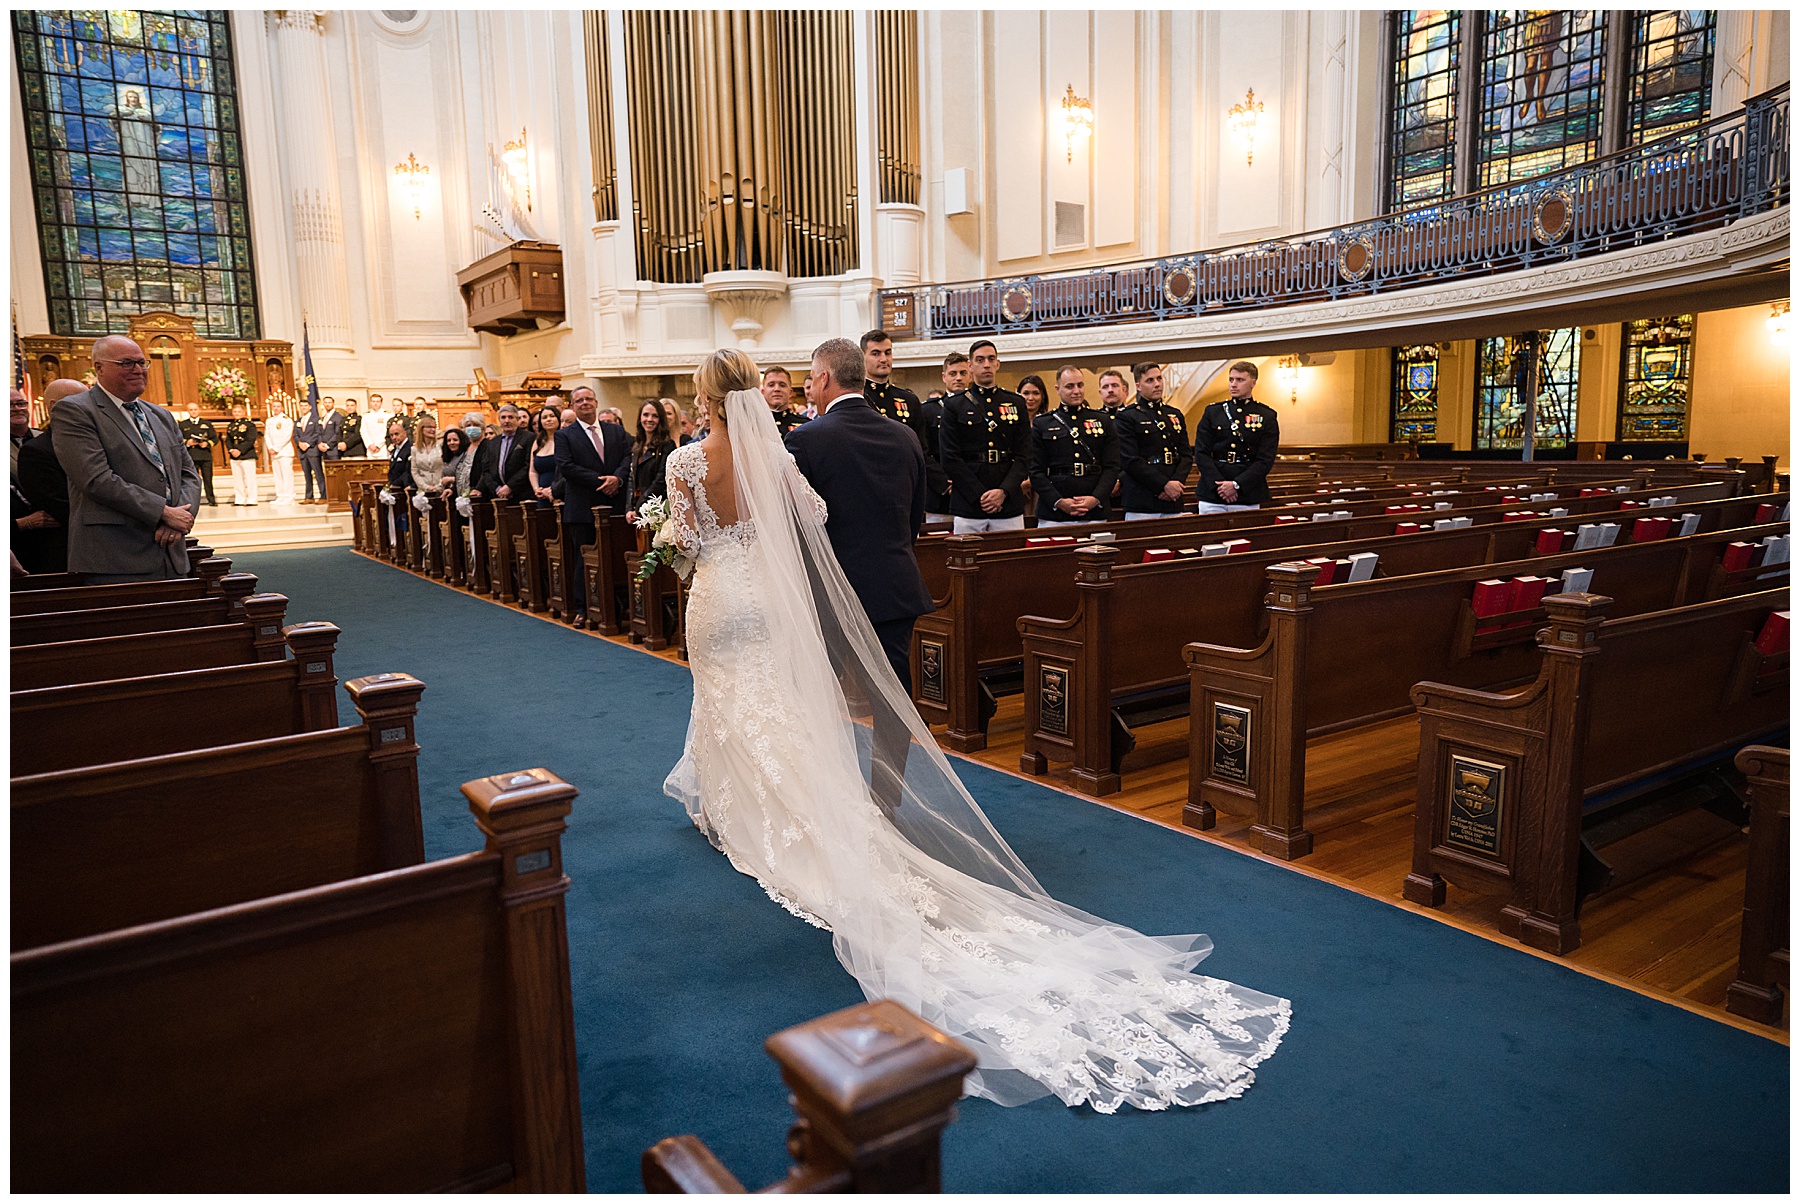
[
  {"x": 1540, "y": 93},
  {"x": 1655, "y": 378},
  {"x": 1671, "y": 72},
  {"x": 131, "y": 121},
  {"x": 1422, "y": 153},
  {"x": 1415, "y": 405},
  {"x": 1550, "y": 359}
]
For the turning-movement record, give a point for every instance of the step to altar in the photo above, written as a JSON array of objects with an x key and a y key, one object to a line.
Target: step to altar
[{"x": 269, "y": 526}]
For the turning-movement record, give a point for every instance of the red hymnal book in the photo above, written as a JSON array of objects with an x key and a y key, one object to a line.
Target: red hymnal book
[
  {"x": 1327, "y": 569},
  {"x": 1773, "y": 637},
  {"x": 1491, "y": 597},
  {"x": 1395, "y": 510},
  {"x": 1527, "y": 592},
  {"x": 1406, "y": 528},
  {"x": 1287, "y": 518},
  {"x": 1508, "y": 499},
  {"x": 1549, "y": 541},
  {"x": 1765, "y": 513},
  {"x": 1644, "y": 531},
  {"x": 1236, "y": 545},
  {"x": 1518, "y": 516},
  {"x": 1739, "y": 555},
  {"x": 1591, "y": 492},
  {"x": 1629, "y": 505},
  {"x": 1413, "y": 507},
  {"x": 1153, "y": 554}
]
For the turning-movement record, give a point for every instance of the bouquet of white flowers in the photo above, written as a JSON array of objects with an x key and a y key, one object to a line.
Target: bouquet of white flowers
[
  {"x": 386, "y": 496},
  {"x": 654, "y": 515},
  {"x": 421, "y": 503},
  {"x": 463, "y": 508}
]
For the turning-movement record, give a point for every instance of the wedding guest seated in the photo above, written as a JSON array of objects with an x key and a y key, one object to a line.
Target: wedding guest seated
[
  {"x": 543, "y": 454},
  {"x": 649, "y": 454}
]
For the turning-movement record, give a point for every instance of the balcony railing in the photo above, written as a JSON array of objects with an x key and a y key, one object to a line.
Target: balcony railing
[{"x": 1698, "y": 179}]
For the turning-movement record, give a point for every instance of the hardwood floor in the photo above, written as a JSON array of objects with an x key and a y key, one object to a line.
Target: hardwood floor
[{"x": 1672, "y": 934}]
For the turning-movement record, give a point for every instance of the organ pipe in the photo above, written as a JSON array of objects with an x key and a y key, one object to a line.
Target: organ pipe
[
  {"x": 897, "y": 104},
  {"x": 600, "y": 117},
  {"x": 742, "y": 153}
]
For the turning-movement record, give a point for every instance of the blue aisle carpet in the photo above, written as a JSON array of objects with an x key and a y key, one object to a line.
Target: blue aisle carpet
[{"x": 1421, "y": 1058}]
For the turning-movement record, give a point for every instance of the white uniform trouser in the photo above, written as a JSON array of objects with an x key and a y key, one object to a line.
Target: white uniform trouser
[
  {"x": 1222, "y": 508},
  {"x": 980, "y": 526},
  {"x": 282, "y": 463},
  {"x": 936, "y": 518},
  {"x": 243, "y": 482},
  {"x": 1134, "y": 515}
]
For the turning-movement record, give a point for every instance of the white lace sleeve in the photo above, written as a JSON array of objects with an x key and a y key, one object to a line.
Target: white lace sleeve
[
  {"x": 679, "y": 472},
  {"x": 818, "y": 502}
]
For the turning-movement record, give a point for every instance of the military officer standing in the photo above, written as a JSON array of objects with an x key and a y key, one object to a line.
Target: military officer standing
[
  {"x": 1074, "y": 456},
  {"x": 931, "y": 410},
  {"x": 1154, "y": 455},
  {"x": 985, "y": 447},
  {"x": 1234, "y": 445},
  {"x": 199, "y": 436},
  {"x": 778, "y": 391},
  {"x": 889, "y": 399},
  {"x": 240, "y": 449}
]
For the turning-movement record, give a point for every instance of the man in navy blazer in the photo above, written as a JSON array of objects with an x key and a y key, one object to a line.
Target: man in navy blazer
[
  {"x": 591, "y": 457},
  {"x": 870, "y": 471},
  {"x": 503, "y": 464}
]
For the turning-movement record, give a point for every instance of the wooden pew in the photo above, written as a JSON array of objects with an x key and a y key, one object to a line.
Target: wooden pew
[
  {"x": 608, "y": 581},
  {"x": 531, "y": 566},
  {"x": 50, "y": 627},
  {"x": 203, "y": 583},
  {"x": 969, "y": 648},
  {"x": 133, "y": 841},
  {"x": 655, "y": 606},
  {"x": 67, "y": 727},
  {"x": 508, "y": 524},
  {"x": 1763, "y": 951},
  {"x": 873, "y": 1087},
  {"x": 477, "y": 567},
  {"x": 1117, "y": 662},
  {"x": 255, "y": 637},
  {"x": 454, "y": 536},
  {"x": 198, "y": 553},
  {"x": 1344, "y": 656},
  {"x": 431, "y": 536},
  {"x": 560, "y": 565},
  {"x": 405, "y": 1031},
  {"x": 1505, "y": 778}
]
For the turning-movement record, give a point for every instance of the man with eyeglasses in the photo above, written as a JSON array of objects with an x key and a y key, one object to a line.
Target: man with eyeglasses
[{"x": 133, "y": 491}]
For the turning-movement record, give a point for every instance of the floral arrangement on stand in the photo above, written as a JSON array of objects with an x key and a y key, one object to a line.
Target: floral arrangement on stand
[
  {"x": 654, "y": 515},
  {"x": 225, "y": 386}
]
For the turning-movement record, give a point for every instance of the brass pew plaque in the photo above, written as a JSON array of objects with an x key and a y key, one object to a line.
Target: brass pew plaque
[
  {"x": 1477, "y": 806},
  {"x": 1231, "y": 743},
  {"x": 1053, "y": 701},
  {"x": 931, "y": 671}
]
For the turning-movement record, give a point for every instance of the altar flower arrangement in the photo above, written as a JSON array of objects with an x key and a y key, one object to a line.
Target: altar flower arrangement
[
  {"x": 654, "y": 515},
  {"x": 225, "y": 386}
]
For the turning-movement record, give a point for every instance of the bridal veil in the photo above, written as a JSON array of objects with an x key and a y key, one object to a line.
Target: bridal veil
[{"x": 926, "y": 902}]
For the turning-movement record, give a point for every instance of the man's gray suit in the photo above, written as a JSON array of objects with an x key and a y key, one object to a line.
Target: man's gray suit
[{"x": 116, "y": 492}]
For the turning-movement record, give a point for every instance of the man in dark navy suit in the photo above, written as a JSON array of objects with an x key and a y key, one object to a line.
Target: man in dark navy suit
[
  {"x": 871, "y": 473},
  {"x": 503, "y": 465},
  {"x": 590, "y": 464}
]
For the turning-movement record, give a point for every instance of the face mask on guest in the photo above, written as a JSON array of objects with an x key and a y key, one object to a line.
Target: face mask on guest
[{"x": 472, "y": 431}]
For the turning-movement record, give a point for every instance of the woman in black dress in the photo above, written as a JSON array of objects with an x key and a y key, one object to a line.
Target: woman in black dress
[
  {"x": 648, "y": 453},
  {"x": 543, "y": 455}
]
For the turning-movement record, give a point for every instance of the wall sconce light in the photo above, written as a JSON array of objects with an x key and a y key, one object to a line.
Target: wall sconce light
[
  {"x": 1242, "y": 121},
  {"x": 513, "y": 156},
  {"x": 1078, "y": 119},
  {"x": 411, "y": 175},
  {"x": 1290, "y": 372},
  {"x": 1778, "y": 323}
]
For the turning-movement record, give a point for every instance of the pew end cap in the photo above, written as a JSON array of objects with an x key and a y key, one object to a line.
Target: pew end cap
[
  {"x": 505, "y": 801},
  {"x": 861, "y": 1074}
]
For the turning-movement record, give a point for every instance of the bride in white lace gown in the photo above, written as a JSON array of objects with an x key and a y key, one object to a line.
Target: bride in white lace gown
[{"x": 926, "y": 903}]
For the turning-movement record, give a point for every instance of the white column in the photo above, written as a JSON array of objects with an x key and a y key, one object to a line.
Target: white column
[{"x": 310, "y": 156}]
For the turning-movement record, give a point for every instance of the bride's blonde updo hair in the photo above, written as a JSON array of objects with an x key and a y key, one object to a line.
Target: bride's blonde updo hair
[{"x": 724, "y": 371}]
